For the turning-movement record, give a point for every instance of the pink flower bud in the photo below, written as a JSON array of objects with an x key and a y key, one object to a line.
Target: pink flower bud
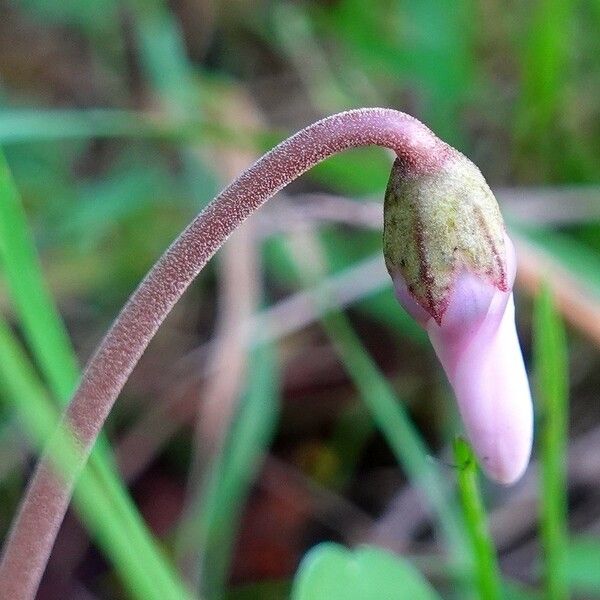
[{"x": 454, "y": 275}]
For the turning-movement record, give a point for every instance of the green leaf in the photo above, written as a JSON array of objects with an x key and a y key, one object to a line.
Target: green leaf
[
  {"x": 582, "y": 565},
  {"x": 333, "y": 572},
  {"x": 551, "y": 371}
]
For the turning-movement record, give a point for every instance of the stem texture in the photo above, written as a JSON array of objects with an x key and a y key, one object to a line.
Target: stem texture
[{"x": 49, "y": 491}]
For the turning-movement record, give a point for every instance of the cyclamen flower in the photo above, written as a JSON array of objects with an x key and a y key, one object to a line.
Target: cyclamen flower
[
  {"x": 453, "y": 268},
  {"x": 445, "y": 248}
]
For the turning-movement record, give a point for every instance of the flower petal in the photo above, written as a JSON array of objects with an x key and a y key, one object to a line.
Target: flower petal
[
  {"x": 493, "y": 395},
  {"x": 478, "y": 347}
]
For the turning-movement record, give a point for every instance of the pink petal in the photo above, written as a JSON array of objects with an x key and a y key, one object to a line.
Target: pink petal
[
  {"x": 492, "y": 391},
  {"x": 478, "y": 347}
]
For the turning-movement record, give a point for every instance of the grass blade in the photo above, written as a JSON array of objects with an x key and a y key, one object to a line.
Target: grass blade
[
  {"x": 103, "y": 499},
  {"x": 544, "y": 65},
  {"x": 551, "y": 371},
  {"x": 41, "y": 323},
  {"x": 486, "y": 563},
  {"x": 218, "y": 511},
  {"x": 25, "y": 125},
  {"x": 99, "y": 497}
]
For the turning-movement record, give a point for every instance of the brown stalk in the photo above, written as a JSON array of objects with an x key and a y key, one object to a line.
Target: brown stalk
[{"x": 48, "y": 494}]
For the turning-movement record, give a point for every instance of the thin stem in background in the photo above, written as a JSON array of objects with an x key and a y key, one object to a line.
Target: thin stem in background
[
  {"x": 48, "y": 494},
  {"x": 552, "y": 384},
  {"x": 228, "y": 480},
  {"x": 487, "y": 571},
  {"x": 221, "y": 394}
]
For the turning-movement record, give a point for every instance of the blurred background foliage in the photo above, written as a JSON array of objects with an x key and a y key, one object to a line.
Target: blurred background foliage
[{"x": 288, "y": 399}]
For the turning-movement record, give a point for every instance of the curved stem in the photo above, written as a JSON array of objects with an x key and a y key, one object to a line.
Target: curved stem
[{"x": 48, "y": 494}]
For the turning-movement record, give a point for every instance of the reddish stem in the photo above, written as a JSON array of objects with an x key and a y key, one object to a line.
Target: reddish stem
[{"x": 48, "y": 495}]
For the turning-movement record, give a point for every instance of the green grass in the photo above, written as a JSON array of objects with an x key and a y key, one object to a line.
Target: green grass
[
  {"x": 209, "y": 530},
  {"x": 552, "y": 393},
  {"x": 554, "y": 41},
  {"x": 367, "y": 573},
  {"x": 19, "y": 126},
  {"x": 41, "y": 323},
  {"x": 545, "y": 57},
  {"x": 486, "y": 563},
  {"x": 101, "y": 495}
]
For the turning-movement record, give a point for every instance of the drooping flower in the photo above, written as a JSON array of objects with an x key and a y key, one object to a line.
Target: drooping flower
[{"x": 453, "y": 268}]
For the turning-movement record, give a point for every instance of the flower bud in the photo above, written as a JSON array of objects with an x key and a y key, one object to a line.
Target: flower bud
[{"x": 453, "y": 269}]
